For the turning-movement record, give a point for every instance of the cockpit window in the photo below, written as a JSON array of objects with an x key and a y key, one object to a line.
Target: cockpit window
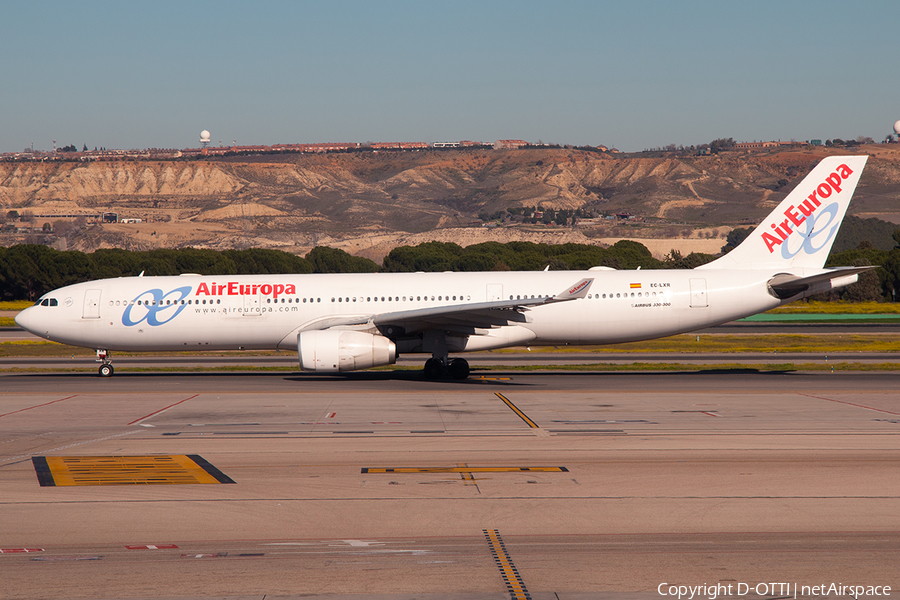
[{"x": 47, "y": 302}]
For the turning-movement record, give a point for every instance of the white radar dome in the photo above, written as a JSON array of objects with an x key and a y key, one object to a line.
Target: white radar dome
[
  {"x": 897, "y": 127},
  {"x": 204, "y": 136}
]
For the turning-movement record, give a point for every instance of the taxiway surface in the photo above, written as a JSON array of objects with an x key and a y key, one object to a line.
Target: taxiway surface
[{"x": 566, "y": 485}]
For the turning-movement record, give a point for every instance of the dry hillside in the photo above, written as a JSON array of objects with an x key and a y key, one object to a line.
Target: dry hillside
[{"x": 368, "y": 203}]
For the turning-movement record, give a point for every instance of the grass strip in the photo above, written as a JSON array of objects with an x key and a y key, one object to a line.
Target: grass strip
[
  {"x": 15, "y": 304},
  {"x": 833, "y": 308}
]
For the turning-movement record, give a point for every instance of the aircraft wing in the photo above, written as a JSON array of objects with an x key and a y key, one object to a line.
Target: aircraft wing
[{"x": 454, "y": 316}]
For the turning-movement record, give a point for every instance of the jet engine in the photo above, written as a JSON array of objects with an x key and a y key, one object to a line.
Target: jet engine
[{"x": 335, "y": 350}]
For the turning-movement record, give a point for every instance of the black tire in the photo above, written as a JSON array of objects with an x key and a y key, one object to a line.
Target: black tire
[
  {"x": 106, "y": 370},
  {"x": 458, "y": 368},
  {"x": 433, "y": 369}
]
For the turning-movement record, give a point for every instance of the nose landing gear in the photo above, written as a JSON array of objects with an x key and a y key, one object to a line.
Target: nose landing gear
[{"x": 106, "y": 368}]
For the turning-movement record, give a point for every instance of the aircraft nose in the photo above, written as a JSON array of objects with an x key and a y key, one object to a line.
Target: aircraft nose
[{"x": 29, "y": 320}]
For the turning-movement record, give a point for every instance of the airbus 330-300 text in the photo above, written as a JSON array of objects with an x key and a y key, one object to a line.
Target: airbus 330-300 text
[{"x": 356, "y": 321}]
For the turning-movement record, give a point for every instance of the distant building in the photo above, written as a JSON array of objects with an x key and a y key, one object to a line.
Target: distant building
[
  {"x": 509, "y": 144},
  {"x": 755, "y": 145},
  {"x": 398, "y": 145},
  {"x": 764, "y": 145}
]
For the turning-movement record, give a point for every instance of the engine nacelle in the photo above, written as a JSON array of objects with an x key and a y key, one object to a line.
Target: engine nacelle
[{"x": 334, "y": 350}]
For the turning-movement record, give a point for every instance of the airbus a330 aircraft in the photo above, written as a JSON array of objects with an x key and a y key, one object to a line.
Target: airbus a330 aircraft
[{"x": 356, "y": 321}]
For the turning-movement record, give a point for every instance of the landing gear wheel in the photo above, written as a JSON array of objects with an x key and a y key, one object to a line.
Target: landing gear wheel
[
  {"x": 433, "y": 369},
  {"x": 458, "y": 368},
  {"x": 106, "y": 370}
]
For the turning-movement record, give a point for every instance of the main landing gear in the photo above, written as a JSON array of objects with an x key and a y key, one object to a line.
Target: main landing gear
[
  {"x": 106, "y": 368},
  {"x": 457, "y": 368}
]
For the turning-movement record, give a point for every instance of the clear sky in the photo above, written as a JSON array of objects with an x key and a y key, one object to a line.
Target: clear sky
[{"x": 631, "y": 74}]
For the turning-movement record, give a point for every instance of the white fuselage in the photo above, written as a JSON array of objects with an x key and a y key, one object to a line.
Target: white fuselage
[{"x": 193, "y": 312}]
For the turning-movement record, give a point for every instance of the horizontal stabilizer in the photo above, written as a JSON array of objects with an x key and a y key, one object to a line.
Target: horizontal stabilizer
[{"x": 784, "y": 286}]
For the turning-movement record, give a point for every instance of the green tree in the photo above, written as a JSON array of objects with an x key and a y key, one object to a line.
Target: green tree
[
  {"x": 868, "y": 287},
  {"x": 430, "y": 256},
  {"x": 333, "y": 260},
  {"x": 735, "y": 237}
]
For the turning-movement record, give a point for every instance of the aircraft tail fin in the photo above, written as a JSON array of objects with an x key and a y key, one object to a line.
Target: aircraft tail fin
[{"x": 800, "y": 232}]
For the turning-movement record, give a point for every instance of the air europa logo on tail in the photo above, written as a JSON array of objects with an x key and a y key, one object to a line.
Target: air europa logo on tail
[{"x": 808, "y": 212}]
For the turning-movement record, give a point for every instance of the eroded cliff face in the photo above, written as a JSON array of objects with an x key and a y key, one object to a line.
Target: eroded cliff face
[
  {"x": 292, "y": 200},
  {"x": 31, "y": 184}
]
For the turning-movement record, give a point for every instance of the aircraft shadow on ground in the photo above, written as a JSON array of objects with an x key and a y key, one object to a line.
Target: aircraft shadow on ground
[{"x": 492, "y": 378}]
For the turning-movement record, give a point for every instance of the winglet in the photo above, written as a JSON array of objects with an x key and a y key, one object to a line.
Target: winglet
[{"x": 579, "y": 290}]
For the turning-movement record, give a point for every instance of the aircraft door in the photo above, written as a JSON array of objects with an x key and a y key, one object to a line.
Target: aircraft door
[
  {"x": 494, "y": 292},
  {"x": 698, "y": 293},
  {"x": 91, "y": 304}
]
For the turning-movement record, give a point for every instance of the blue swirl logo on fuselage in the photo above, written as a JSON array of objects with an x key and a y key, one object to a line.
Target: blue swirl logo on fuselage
[{"x": 151, "y": 306}]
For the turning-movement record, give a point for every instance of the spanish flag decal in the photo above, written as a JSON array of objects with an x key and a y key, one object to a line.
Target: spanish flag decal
[{"x": 635, "y": 286}]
